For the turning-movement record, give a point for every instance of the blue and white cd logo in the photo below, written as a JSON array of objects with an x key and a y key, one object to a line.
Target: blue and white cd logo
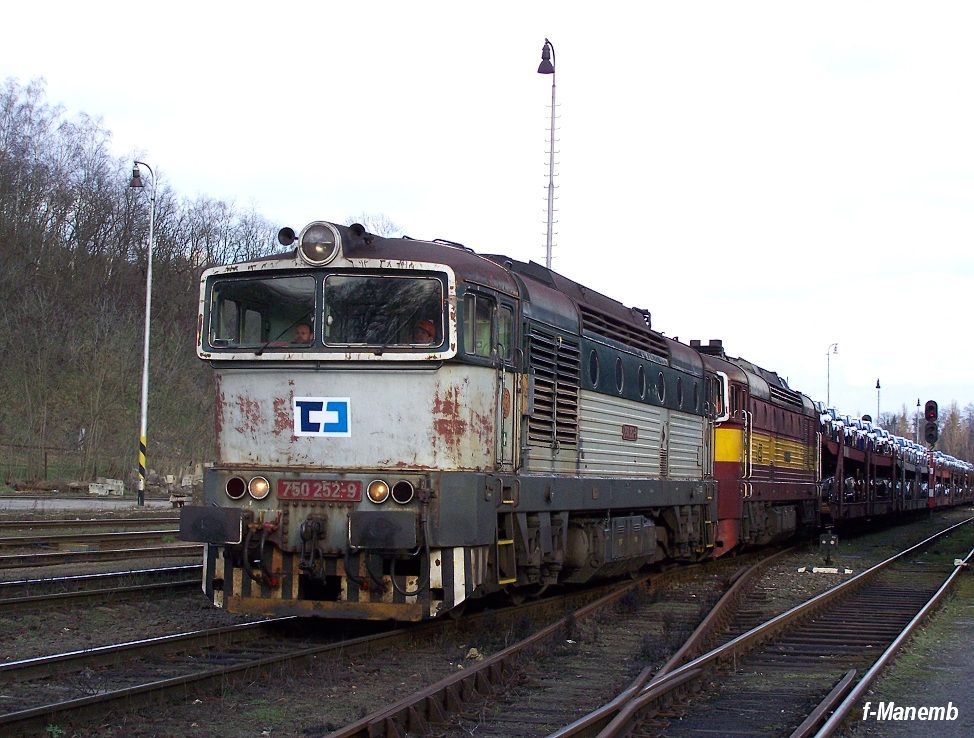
[{"x": 322, "y": 416}]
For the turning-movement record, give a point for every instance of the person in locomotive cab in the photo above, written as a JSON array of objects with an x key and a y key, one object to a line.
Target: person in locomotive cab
[
  {"x": 424, "y": 332},
  {"x": 303, "y": 333}
]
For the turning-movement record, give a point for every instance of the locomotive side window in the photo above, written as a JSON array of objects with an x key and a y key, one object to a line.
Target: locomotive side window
[
  {"x": 477, "y": 318},
  {"x": 247, "y": 313},
  {"x": 505, "y": 331},
  {"x": 382, "y": 311}
]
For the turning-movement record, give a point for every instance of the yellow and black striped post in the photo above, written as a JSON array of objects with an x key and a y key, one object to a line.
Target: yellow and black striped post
[{"x": 142, "y": 445}]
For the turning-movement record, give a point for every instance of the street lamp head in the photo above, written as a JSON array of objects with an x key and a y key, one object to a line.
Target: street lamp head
[
  {"x": 136, "y": 177},
  {"x": 546, "y": 66}
]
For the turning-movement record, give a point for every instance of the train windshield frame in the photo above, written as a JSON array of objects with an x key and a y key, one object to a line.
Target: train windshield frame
[{"x": 346, "y": 312}]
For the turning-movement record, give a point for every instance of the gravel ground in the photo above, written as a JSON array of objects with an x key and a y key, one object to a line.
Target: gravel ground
[{"x": 314, "y": 698}]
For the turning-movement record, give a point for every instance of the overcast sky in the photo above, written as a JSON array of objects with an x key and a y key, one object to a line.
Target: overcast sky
[{"x": 782, "y": 176}]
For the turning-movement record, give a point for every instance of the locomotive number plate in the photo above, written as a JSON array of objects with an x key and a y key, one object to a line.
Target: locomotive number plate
[{"x": 328, "y": 490}]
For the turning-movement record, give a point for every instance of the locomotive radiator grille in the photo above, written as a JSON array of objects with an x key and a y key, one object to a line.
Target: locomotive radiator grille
[{"x": 554, "y": 363}]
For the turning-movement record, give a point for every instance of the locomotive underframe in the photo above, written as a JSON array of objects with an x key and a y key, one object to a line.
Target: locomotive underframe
[{"x": 485, "y": 532}]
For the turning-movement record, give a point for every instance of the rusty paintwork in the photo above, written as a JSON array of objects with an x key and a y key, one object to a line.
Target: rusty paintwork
[
  {"x": 398, "y": 420},
  {"x": 218, "y": 412},
  {"x": 456, "y": 423},
  {"x": 249, "y": 414},
  {"x": 283, "y": 420}
]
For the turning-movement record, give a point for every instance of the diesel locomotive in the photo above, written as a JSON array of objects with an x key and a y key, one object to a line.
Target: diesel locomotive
[{"x": 405, "y": 425}]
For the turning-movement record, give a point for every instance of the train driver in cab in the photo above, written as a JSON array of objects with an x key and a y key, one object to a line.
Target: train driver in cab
[
  {"x": 303, "y": 333},
  {"x": 424, "y": 332}
]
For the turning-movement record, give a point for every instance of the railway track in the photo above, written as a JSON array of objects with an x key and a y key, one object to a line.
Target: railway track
[
  {"x": 114, "y": 538},
  {"x": 71, "y": 687},
  {"x": 27, "y": 544},
  {"x": 61, "y": 523},
  {"x": 510, "y": 693},
  {"x": 79, "y": 683},
  {"x": 32, "y": 560},
  {"x": 789, "y": 674},
  {"x": 25, "y": 594}
]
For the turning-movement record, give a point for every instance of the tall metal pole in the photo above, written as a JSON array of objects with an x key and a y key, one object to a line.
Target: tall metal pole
[
  {"x": 144, "y": 422},
  {"x": 548, "y": 67},
  {"x": 832, "y": 349}
]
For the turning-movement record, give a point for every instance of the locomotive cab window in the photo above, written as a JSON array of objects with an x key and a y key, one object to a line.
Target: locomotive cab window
[
  {"x": 248, "y": 313},
  {"x": 384, "y": 312}
]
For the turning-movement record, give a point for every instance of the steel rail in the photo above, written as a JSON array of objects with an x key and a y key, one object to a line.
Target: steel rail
[
  {"x": 842, "y": 711},
  {"x": 597, "y": 719},
  {"x": 414, "y": 713},
  {"x": 746, "y": 641},
  {"x": 76, "y": 578},
  {"x": 25, "y": 602},
  {"x": 58, "y": 664},
  {"x": 85, "y": 538},
  {"x": 27, "y": 561},
  {"x": 86, "y": 522}
]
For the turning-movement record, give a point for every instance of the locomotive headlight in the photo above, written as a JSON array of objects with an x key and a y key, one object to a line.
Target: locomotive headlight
[
  {"x": 378, "y": 491},
  {"x": 319, "y": 243},
  {"x": 259, "y": 488}
]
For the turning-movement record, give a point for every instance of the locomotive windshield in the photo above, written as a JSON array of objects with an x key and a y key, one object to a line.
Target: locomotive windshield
[
  {"x": 247, "y": 313},
  {"x": 319, "y": 312},
  {"x": 382, "y": 311}
]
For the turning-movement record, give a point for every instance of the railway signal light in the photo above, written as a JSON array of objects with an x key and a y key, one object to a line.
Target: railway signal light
[{"x": 930, "y": 431}]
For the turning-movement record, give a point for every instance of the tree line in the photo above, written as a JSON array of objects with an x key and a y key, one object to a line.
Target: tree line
[
  {"x": 73, "y": 245},
  {"x": 956, "y": 428}
]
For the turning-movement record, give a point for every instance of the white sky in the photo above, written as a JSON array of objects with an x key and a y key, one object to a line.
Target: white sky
[{"x": 778, "y": 175}]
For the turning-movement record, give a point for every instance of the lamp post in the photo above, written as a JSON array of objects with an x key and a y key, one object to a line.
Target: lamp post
[
  {"x": 832, "y": 349},
  {"x": 877, "y": 402},
  {"x": 916, "y": 423},
  {"x": 137, "y": 182},
  {"x": 548, "y": 67}
]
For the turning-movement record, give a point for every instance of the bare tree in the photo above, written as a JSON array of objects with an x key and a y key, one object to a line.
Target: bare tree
[{"x": 377, "y": 223}]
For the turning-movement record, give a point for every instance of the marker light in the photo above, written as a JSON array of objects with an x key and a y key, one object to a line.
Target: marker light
[
  {"x": 236, "y": 488},
  {"x": 378, "y": 491},
  {"x": 319, "y": 243},
  {"x": 402, "y": 492}
]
